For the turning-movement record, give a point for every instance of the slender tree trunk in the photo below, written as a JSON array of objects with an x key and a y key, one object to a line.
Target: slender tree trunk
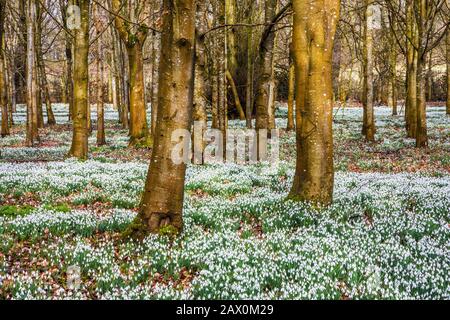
[
  {"x": 79, "y": 146},
  {"x": 393, "y": 75},
  {"x": 411, "y": 62},
  {"x": 237, "y": 102},
  {"x": 134, "y": 42},
  {"x": 162, "y": 201},
  {"x": 422, "y": 41},
  {"x": 99, "y": 83},
  {"x": 32, "y": 134},
  {"x": 3, "y": 90},
  {"x": 215, "y": 92},
  {"x": 314, "y": 29},
  {"x": 421, "y": 134},
  {"x": 368, "y": 129},
  {"x": 265, "y": 65},
  {"x": 12, "y": 92},
  {"x": 249, "y": 88},
  {"x": 45, "y": 91},
  {"x": 69, "y": 58},
  {"x": 429, "y": 84},
  {"x": 230, "y": 13},
  {"x": 199, "y": 108},
  {"x": 154, "y": 88},
  {"x": 139, "y": 133},
  {"x": 448, "y": 70},
  {"x": 124, "y": 89},
  {"x": 291, "y": 97}
]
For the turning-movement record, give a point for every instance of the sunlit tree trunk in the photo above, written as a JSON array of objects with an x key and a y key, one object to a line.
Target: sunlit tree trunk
[
  {"x": 3, "y": 90},
  {"x": 230, "y": 13},
  {"x": 32, "y": 134},
  {"x": 422, "y": 41},
  {"x": 368, "y": 129},
  {"x": 134, "y": 42},
  {"x": 393, "y": 96},
  {"x": 249, "y": 85},
  {"x": 162, "y": 201},
  {"x": 79, "y": 146},
  {"x": 199, "y": 108},
  {"x": 69, "y": 58},
  {"x": 99, "y": 82},
  {"x": 448, "y": 70},
  {"x": 291, "y": 97},
  {"x": 411, "y": 70},
  {"x": 265, "y": 70},
  {"x": 123, "y": 84},
  {"x": 154, "y": 89},
  {"x": 314, "y": 29}
]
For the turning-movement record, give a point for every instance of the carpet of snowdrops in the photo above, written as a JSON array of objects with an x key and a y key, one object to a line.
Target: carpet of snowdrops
[{"x": 386, "y": 236}]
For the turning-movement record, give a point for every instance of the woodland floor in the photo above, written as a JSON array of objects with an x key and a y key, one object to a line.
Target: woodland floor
[{"x": 386, "y": 236}]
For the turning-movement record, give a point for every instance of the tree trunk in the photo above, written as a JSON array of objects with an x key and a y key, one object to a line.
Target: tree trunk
[
  {"x": 139, "y": 134},
  {"x": 313, "y": 50},
  {"x": 237, "y": 102},
  {"x": 199, "y": 108},
  {"x": 134, "y": 42},
  {"x": 79, "y": 146},
  {"x": 368, "y": 129},
  {"x": 421, "y": 133},
  {"x": 3, "y": 90},
  {"x": 393, "y": 75},
  {"x": 448, "y": 70},
  {"x": 411, "y": 62},
  {"x": 99, "y": 83},
  {"x": 125, "y": 92},
  {"x": 154, "y": 89},
  {"x": 249, "y": 87},
  {"x": 32, "y": 134},
  {"x": 69, "y": 58},
  {"x": 291, "y": 97},
  {"x": 45, "y": 91},
  {"x": 230, "y": 15},
  {"x": 162, "y": 201},
  {"x": 422, "y": 41},
  {"x": 265, "y": 70},
  {"x": 429, "y": 83}
]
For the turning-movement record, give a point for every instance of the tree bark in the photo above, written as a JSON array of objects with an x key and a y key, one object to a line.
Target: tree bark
[
  {"x": 422, "y": 41},
  {"x": 45, "y": 90},
  {"x": 291, "y": 97},
  {"x": 314, "y": 29},
  {"x": 448, "y": 69},
  {"x": 265, "y": 70},
  {"x": 32, "y": 134},
  {"x": 368, "y": 129},
  {"x": 162, "y": 201},
  {"x": 79, "y": 146},
  {"x": 3, "y": 90},
  {"x": 134, "y": 42},
  {"x": 411, "y": 62},
  {"x": 199, "y": 108},
  {"x": 99, "y": 83}
]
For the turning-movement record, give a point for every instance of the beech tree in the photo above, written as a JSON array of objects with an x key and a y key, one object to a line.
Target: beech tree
[
  {"x": 133, "y": 32},
  {"x": 162, "y": 201},
  {"x": 3, "y": 92},
  {"x": 368, "y": 94},
  {"x": 32, "y": 134},
  {"x": 314, "y": 29},
  {"x": 79, "y": 146}
]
